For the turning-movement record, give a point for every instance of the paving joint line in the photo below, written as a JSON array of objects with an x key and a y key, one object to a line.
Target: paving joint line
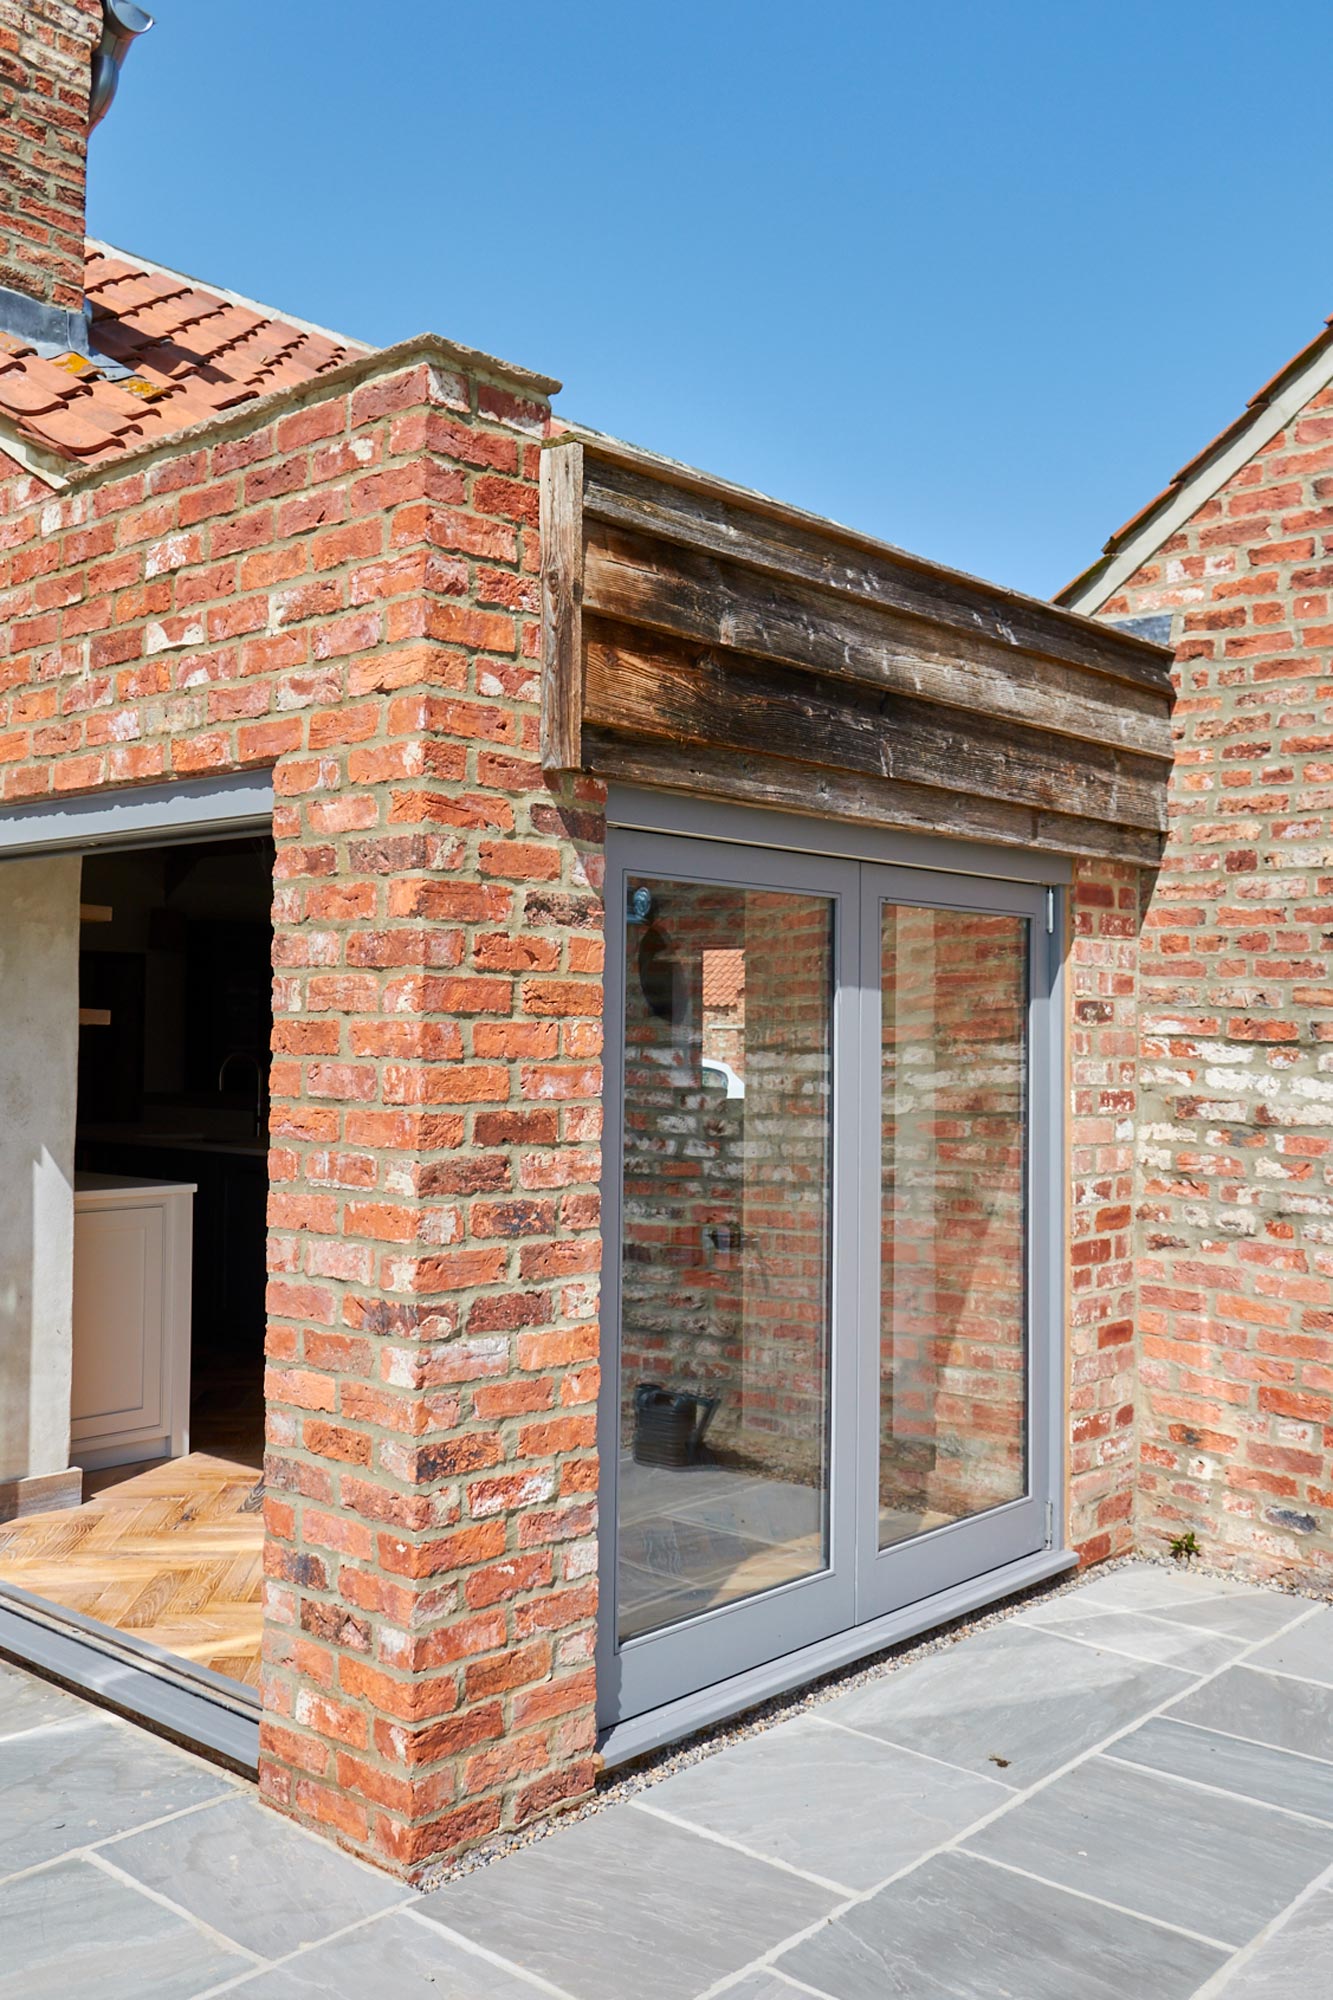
[
  {"x": 1221, "y": 1979},
  {"x": 1157, "y": 1613},
  {"x": 736, "y": 1979},
  {"x": 739, "y": 1847},
  {"x": 1222, "y": 1791},
  {"x": 87, "y": 1848},
  {"x": 1285, "y": 1674},
  {"x": 257, "y": 1959},
  {"x": 963, "y": 1770},
  {"x": 536, "y": 1979},
  {"x": 1234, "y": 1736},
  {"x": 1057, "y": 1631},
  {"x": 1102, "y": 1902},
  {"x": 241, "y": 1979}
]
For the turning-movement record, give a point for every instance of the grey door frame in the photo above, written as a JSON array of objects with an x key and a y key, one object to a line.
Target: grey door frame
[
  {"x": 119, "y": 1670},
  {"x": 686, "y": 1671}
]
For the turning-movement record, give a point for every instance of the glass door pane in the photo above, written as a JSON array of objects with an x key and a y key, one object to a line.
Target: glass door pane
[
  {"x": 723, "y": 1481},
  {"x": 953, "y": 1375}
]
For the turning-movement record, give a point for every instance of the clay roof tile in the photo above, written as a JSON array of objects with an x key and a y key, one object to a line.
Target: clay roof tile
[
  {"x": 193, "y": 350},
  {"x": 28, "y": 385},
  {"x": 75, "y": 428}
]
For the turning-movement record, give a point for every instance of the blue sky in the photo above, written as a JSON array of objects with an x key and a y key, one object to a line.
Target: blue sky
[{"x": 976, "y": 277}]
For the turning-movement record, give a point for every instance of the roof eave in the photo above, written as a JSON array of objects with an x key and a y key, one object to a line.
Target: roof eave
[{"x": 1203, "y": 476}]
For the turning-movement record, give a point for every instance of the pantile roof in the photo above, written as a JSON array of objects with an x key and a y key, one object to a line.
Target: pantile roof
[
  {"x": 191, "y": 352},
  {"x": 723, "y": 978}
]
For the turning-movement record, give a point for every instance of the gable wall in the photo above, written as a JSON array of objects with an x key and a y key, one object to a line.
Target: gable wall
[{"x": 1234, "y": 1187}]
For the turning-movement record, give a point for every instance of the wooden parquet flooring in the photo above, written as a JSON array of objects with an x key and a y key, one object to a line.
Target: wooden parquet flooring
[{"x": 168, "y": 1555}]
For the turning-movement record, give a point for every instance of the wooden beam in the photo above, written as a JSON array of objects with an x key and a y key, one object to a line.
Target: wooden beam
[
  {"x": 630, "y": 492},
  {"x": 696, "y": 596},
  {"x": 643, "y": 685},
  {"x": 562, "y": 605},
  {"x": 749, "y": 777}
]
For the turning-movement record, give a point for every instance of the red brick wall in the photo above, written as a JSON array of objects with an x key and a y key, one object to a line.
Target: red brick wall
[
  {"x": 1235, "y": 1189},
  {"x": 45, "y": 71},
  {"x": 344, "y": 589}
]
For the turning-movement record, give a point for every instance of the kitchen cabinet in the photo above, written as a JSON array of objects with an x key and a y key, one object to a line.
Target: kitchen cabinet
[{"x": 130, "y": 1393}]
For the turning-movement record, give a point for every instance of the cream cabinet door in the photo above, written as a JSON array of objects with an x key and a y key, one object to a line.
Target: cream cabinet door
[{"x": 118, "y": 1325}]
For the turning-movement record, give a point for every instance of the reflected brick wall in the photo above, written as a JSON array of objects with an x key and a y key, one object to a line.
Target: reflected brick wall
[
  {"x": 724, "y": 1232},
  {"x": 953, "y": 1301}
]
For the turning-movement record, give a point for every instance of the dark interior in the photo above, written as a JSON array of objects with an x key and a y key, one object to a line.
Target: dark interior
[{"x": 176, "y": 953}]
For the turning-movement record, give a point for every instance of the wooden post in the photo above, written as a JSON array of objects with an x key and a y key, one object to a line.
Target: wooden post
[{"x": 562, "y": 605}]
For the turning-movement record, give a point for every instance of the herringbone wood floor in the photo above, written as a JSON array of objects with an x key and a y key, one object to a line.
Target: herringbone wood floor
[{"x": 167, "y": 1555}]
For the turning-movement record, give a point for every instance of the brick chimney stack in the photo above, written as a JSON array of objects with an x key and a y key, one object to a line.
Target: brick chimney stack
[{"x": 46, "y": 52}]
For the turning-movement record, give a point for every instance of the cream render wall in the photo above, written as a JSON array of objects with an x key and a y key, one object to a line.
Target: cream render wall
[{"x": 39, "y": 972}]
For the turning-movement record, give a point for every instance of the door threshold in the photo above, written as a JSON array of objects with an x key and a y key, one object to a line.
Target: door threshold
[
  {"x": 675, "y": 1720},
  {"x": 192, "y": 1705}
]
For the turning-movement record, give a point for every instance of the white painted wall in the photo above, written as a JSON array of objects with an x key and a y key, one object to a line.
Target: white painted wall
[{"x": 39, "y": 1055}]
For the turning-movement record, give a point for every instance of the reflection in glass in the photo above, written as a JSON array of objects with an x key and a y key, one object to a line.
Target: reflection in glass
[
  {"x": 953, "y": 1292},
  {"x": 725, "y": 1228}
]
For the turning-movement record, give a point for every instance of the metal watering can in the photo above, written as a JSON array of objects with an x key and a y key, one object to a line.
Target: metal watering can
[{"x": 669, "y": 1425}]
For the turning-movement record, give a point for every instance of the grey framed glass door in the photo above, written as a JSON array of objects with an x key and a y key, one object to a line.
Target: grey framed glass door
[
  {"x": 957, "y": 1197},
  {"x": 828, "y": 1250},
  {"x": 728, "y": 1509}
]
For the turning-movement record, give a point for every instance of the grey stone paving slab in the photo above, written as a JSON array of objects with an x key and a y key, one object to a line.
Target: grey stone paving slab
[
  {"x": 390, "y": 1959},
  {"x": 958, "y": 1929},
  {"x": 764, "y": 1986},
  {"x": 1296, "y": 1963},
  {"x": 1146, "y": 1638},
  {"x": 71, "y": 1786},
  {"x": 1277, "y": 1777},
  {"x": 1291, "y": 1715},
  {"x": 1184, "y": 1597},
  {"x": 1250, "y": 1618},
  {"x": 72, "y": 1932},
  {"x": 1028, "y": 1697},
  {"x": 1144, "y": 1586},
  {"x": 28, "y": 1703},
  {"x": 255, "y": 1877},
  {"x": 834, "y": 1804},
  {"x": 625, "y": 1902},
  {"x": 1222, "y": 1866},
  {"x": 1306, "y": 1650}
]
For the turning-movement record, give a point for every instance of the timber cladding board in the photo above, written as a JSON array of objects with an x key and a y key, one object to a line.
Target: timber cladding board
[{"x": 708, "y": 640}]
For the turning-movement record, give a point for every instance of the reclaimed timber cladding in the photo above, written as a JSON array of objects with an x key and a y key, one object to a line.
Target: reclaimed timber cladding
[{"x": 705, "y": 639}]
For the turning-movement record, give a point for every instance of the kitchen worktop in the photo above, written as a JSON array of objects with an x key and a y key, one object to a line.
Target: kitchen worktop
[
  {"x": 173, "y": 1142},
  {"x": 87, "y": 1187}
]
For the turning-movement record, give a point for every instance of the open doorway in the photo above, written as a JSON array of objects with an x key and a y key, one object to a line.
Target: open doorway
[{"x": 171, "y": 1178}]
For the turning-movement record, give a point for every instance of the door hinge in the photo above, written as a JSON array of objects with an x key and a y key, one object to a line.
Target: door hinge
[
  {"x": 1050, "y": 913},
  {"x": 1050, "y": 1524}
]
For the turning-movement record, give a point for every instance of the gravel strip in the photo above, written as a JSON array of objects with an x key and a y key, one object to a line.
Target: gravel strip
[{"x": 639, "y": 1776}]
